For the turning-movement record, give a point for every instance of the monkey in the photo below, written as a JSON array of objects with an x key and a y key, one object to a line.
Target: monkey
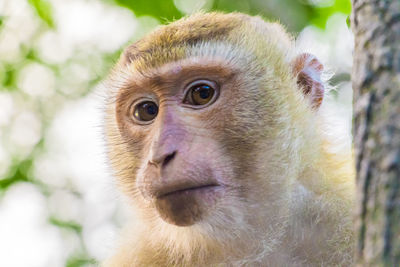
[{"x": 214, "y": 132}]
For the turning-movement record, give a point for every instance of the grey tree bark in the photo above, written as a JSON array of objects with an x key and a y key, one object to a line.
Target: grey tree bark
[{"x": 376, "y": 84}]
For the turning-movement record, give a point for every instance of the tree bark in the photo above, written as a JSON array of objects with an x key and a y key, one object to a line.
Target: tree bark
[{"x": 376, "y": 84}]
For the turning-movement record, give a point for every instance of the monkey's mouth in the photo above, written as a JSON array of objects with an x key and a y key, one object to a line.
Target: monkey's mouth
[
  {"x": 188, "y": 190},
  {"x": 186, "y": 205}
]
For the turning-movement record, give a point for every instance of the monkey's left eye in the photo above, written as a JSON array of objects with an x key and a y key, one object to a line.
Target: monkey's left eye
[
  {"x": 200, "y": 93},
  {"x": 145, "y": 111}
]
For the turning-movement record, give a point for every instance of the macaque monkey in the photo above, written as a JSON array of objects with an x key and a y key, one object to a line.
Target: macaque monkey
[{"x": 215, "y": 133}]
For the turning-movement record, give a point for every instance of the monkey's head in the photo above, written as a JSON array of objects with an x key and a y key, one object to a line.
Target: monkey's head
[{"x": 210, "y": 118}]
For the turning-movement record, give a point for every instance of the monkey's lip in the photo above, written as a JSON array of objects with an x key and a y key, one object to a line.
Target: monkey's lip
[
  {"x": 184, "y": 206},
  {"x": 187, "y": 190}
]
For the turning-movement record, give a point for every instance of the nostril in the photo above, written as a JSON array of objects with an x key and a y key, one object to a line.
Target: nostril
[{"x": 168, "y": 159}]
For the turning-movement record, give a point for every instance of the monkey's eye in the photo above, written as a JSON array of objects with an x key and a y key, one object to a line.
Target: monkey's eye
[
  {"x": 200, "y": 93},
  {"x": 145, "y": 111}
]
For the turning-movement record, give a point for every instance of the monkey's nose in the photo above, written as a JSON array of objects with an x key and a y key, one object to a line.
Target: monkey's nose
[{"x": 163, "y": 160}]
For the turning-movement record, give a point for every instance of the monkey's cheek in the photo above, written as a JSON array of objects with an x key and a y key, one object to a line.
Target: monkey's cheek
[{"x": 185, "y": 208}]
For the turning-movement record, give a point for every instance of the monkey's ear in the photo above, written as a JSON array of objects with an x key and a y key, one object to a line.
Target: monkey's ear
[{"x": 308, "y": 69}]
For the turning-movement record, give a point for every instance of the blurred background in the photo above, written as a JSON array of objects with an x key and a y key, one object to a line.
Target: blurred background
[{"x": 58, "y": 202}]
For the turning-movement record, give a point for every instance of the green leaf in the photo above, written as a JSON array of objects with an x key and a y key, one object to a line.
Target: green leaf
[
  {"x": 16, "y": 175},
  {"x": 44, "y": 10},
  {"x": 322, "y": 14},
  {"x": 78, "y": 261},
  {"x": 9, "y": 77},
  {"x": 70, "y": 225},
  {"x": 164, "y": 10}
]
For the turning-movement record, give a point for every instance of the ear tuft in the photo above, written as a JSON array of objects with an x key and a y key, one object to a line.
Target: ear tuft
[{"x": 308, "y": 69}]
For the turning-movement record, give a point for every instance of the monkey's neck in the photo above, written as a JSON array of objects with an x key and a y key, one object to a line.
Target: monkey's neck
[
  {"x": 320, "y": 225},
  {"x": 320, "y": 228}
]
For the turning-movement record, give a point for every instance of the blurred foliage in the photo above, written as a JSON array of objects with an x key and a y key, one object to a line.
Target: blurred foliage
[
  {"x": 80, "y": 260},
  {"x": 160, "y": 9},
  {"x": 18, "y": 174},
  {"x": 43, "y": 9},
  {"x": 295, "y": 14},
  {"x": 68, "y": 225}
]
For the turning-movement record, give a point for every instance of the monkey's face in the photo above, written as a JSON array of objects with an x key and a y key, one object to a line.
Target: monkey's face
[{"x": 197, "y": 136}]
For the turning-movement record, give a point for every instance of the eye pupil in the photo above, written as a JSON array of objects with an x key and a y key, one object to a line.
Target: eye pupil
[
  {"x": 204, "y": 91},
  {"x": 151, "y": 109},
  {"x": 146, "y": 111}
]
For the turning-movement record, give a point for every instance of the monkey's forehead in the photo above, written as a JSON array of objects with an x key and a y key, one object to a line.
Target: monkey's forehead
[{"x": 205, "y": 33}]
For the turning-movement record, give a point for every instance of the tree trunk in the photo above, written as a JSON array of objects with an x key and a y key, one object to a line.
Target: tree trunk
[{"x": 376, "y": 83}]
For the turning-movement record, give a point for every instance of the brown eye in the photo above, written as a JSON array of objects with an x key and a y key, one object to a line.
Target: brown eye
[
  {"x": 200, "y": 94},
  {"x": 146, "y": 111}
]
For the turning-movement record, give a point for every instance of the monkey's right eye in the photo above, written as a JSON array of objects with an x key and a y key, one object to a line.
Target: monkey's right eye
[{"x": 145, "y": 111}]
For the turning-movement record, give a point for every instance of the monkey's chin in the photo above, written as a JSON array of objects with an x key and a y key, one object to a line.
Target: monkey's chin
[{"x": 188, "y": 206}]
